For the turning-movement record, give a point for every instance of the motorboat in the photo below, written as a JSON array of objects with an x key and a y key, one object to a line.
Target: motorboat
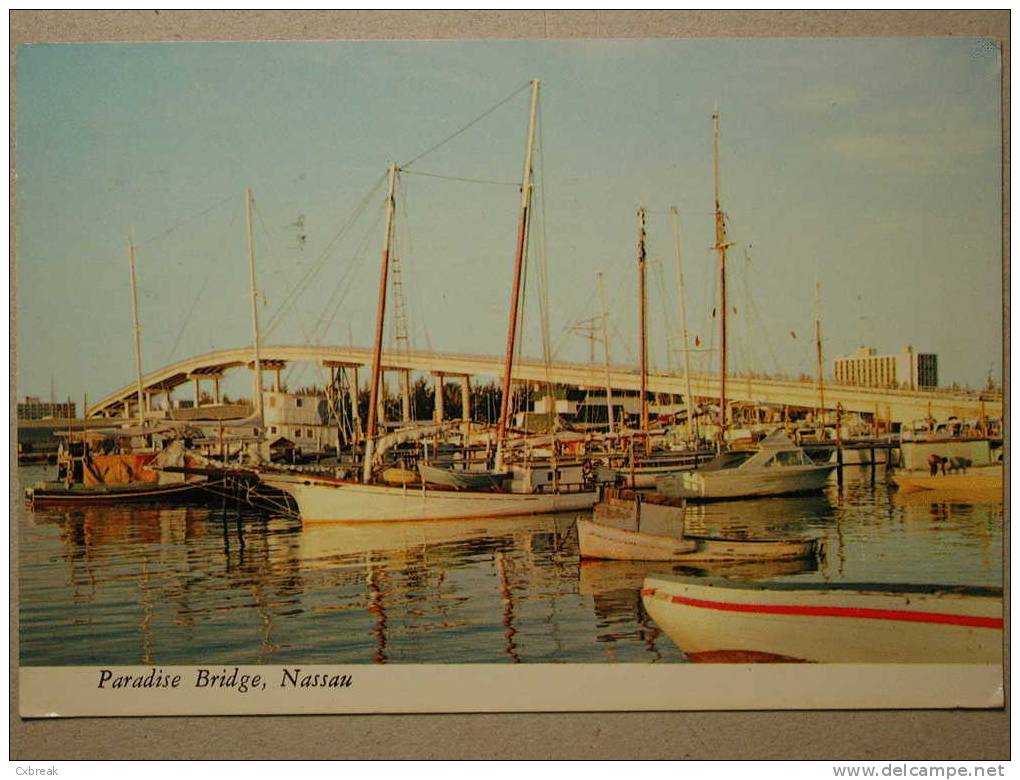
[{"x": 777, "y": 467}]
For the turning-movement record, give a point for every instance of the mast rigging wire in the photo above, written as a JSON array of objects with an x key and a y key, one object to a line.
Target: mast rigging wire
[{"x": 470, "y": 124}]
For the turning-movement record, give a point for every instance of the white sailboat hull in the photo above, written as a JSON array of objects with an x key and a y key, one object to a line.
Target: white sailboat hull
[
  {"x": 847, "y": 624},
  {"x": 333, "y": 501}
]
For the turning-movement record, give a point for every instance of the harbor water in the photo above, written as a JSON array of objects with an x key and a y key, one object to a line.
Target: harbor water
[{"x": 146, "y": 585}]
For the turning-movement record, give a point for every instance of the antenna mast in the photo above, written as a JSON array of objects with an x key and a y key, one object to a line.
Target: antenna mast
[
  {"x": 137, "y": 333},
  {"x": 721, "y": 246},
  {"x": 682, "y": 302},
  {"x": 605, "y": 346},
  {"x": 249, "y": 204},
  {"x": 818, "y": 349},
  {"x": 380, "y": 321},
  {"x": 642, "y": 324},
  {"x": 515, "y": 294}
]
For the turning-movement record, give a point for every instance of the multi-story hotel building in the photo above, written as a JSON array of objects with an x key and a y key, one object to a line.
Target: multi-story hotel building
[
  {"x": 33, "y": 408},
  {"x": 908, "y": 369}
]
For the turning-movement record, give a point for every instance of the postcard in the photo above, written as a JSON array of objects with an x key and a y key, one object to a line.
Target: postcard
[{"x": 509, "y": 375}]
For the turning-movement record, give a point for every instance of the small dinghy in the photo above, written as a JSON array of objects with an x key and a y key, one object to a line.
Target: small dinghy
[
  {"x": 463, "y": 479},
  {"x": 616, "y": 534},
  {"x": 608, "y": 543}
]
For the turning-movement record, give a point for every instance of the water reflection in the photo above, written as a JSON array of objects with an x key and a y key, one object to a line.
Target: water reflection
[{"x": 188, "y": 585}]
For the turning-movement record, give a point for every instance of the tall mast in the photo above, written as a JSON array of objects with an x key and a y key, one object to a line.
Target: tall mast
[
  {"x": 818, "y": 348},
  {"x": 380, "y": 321},
  {"x": 720, "y": 246},
  {"x": 137, "y": 332},
  {"x": 249, "y": 203},
  {"x": 682, "y": 303},
  {"x": 605, "y": 346},
  {"x": 642, "y": 322},
  {"x": 515, "y": 294}
]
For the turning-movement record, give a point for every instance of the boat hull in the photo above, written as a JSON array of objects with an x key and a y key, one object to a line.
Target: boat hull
[
  {"x": 335, "y": 501},
  {"x": 608, "y": 543},
  {"x": 979, "y": 480},
  {"x": 732, "y": 484},
  {"x": 848, "y": 623},
  {"x": 143, "y": 493}
]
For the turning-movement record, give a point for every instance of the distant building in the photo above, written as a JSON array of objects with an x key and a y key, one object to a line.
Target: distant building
[
  {"x": 35, "y": 409},
  {"x": 907, "y": 370}
]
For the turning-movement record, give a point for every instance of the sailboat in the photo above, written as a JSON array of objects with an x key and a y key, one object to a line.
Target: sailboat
[
  {"x": 536, "y": 489},
  {"x": 121, "y": 465},
  {"x": 647, "y": 466}
]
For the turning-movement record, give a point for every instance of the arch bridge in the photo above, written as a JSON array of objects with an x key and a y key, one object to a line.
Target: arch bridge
[{"x": 895, "y": 405}]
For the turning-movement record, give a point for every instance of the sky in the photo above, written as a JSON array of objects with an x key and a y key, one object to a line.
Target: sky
[{"x": 871, "y": 167}]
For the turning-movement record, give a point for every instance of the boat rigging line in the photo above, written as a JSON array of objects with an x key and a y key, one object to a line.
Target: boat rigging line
[
  {"x": 466, "y": 127},
  {"x": 467, "y": 179},
  {"x": 302, "y": 284},
  {"x": 183, "y": 221}
]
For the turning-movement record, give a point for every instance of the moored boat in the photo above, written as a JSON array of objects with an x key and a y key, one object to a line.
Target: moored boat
[
  {"x": 462, "y": 479},
  {"x": 777, "y": 467},
  {"x": 981, "y": 479},
  {"x": 827, "y": 622},
  {"x": 323, "y": 499},
  {"x": 596, "y": 540}
]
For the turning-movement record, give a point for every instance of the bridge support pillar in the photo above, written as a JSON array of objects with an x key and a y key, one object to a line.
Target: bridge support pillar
[
  {"x": 405, "y": 395},
  {"x": 216, "y": 390},
  {"x": 198, "y": 392},
  {"x": 439, "y": 412},
  {"x": 352, "y": 388},
  {"x": 465, "y": 405},
  {"x": 465, "y": 398}
]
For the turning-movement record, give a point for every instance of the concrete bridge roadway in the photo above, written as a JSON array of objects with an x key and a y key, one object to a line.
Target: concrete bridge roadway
[{"x": 889, "y": 404}]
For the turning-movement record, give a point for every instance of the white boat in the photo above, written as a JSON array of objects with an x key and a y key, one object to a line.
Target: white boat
[
  {"x": 712, "y": 620},
  {"x": 777, "y": 467},
  {"x": 596, "y": 540},
  {"x": 533, "y": 490},
  {"x": 322, "y": 499}
]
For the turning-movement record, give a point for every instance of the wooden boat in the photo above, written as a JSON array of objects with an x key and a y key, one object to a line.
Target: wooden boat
[
  {"x": 778, "y": 467},
  {"x": 826, "y": 622},
  {"x": 322, "y": 499},
  {"x": 981, "y": 479},
  {"x": 90, "y": 473},
  {"x": 44, "y": 494},
  {"x": 596, "y": 540},
  {"x": 462, "y": 479}
]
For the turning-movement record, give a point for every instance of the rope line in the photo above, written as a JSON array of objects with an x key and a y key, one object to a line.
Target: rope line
[
  {"x": 183, "y": 221},
  {"x": 462, "y": 178},
  {"x": 470, "y": 124}
]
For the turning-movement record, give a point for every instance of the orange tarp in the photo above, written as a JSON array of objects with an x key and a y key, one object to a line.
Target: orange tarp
[{"x": 118, "y": 470}]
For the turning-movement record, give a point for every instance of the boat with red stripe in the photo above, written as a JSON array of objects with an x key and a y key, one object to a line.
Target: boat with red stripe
[{"x": 828, "y": 622}]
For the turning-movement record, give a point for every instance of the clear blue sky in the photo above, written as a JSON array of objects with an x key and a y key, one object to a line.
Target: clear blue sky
[{"x": 871, "y": 165}]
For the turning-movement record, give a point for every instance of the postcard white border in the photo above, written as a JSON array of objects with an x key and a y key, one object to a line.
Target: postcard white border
[{"x": 66, "y": 691}]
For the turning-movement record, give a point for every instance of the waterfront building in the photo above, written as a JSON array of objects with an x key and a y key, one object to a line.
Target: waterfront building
[
  {"x": 33, "y": 408},
  {"x": 299, "y": 419},
  {"x": 908, "y": 369}
]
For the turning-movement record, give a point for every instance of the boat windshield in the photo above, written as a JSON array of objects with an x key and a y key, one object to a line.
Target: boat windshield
[
  {"x": 789, "y": 458},
  {"x": 728, "y": 460}
]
